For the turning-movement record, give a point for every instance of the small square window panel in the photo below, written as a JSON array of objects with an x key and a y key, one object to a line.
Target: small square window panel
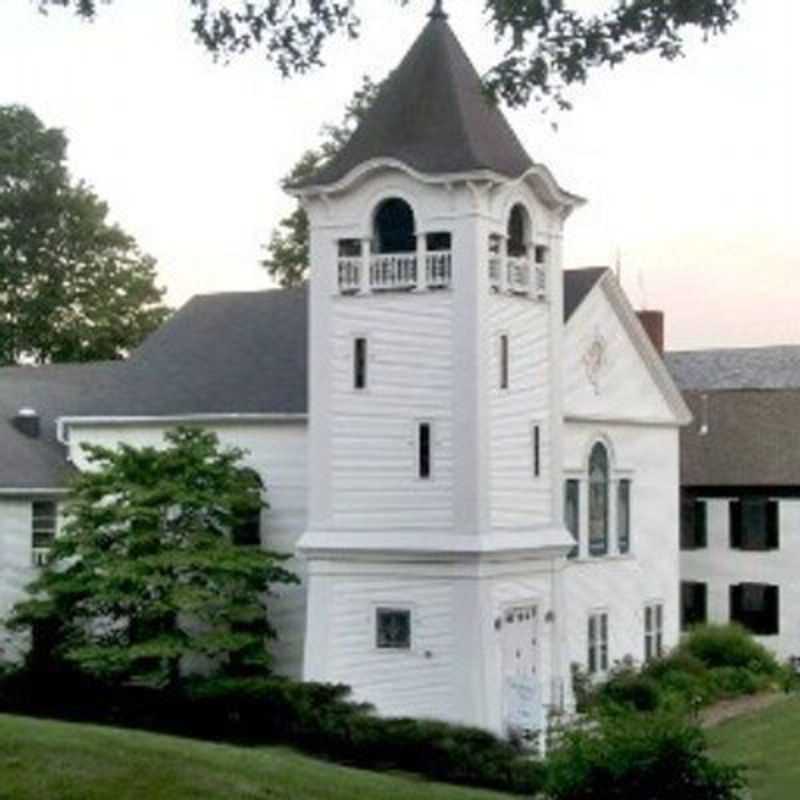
[{"x": 393, "y": 629}]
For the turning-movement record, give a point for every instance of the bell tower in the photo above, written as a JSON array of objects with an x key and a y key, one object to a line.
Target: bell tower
[{"x": 435, "y": 543}]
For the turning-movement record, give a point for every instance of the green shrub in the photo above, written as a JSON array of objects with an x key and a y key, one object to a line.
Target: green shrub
[
  {"x": 634, "y": 756},
  {"x": 738, "y": 681},
  {"x": 633, "y": 690},
  {"x": 729, "y": 646}
]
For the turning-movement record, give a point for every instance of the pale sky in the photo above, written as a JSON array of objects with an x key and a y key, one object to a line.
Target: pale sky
[{"x": 691, "y": 168}]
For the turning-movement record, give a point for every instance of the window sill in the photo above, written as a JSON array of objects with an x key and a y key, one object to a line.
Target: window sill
[{"x": 605, "y": 559}]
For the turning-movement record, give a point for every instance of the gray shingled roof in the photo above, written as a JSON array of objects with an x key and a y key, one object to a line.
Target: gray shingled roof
[
  {"x": 236, "y": 352},
  {"x": 433, "y": 116},
  {"x": 736, "y": 368},
  {"x": 752, "y": 439},
  {"x": 577, "y": 284}
]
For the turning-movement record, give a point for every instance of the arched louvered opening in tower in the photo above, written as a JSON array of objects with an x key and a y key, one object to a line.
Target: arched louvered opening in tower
[
  {"x": 395, "y": 229},
  {"x": 518, "y": 231}
]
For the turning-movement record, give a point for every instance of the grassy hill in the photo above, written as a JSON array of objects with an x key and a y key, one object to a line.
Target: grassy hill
[
  {"x": 60, "y": 761},
  {"x": 767, "y": 742}
]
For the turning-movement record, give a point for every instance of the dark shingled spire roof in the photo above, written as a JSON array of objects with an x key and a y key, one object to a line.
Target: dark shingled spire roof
[{"x": 433, "y": 116}]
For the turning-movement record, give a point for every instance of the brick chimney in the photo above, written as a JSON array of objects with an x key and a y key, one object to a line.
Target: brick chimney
[{"x": 653, "y": 323}]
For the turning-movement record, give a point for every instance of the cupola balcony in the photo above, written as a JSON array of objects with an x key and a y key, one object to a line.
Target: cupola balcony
[
  {"x": 395, "y": 272},
  {"x": 518, "y": 275}
]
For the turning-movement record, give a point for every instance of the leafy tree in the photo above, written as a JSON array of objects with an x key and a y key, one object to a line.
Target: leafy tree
[
  {"x": 73, "y": 287},
  {"x": 287, "y": 250},
  {"x": 147, "y": 572},
  {"x": 548, "y": 45}
]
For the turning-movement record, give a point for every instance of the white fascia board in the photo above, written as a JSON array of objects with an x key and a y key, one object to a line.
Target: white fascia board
[{"x": 175, "y": 419}]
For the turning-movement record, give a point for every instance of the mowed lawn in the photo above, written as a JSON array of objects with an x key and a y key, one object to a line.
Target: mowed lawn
[
  {"x": 45, "y": 760},
  {"x": 768, "y": 743}
]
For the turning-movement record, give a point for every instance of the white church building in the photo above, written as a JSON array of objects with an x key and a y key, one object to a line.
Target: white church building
[{"x": 472, "y": 452}]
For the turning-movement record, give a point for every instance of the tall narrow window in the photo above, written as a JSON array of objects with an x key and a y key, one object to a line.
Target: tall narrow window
[
  {"x": 624, "y": 515},
  {"x": 597, "y": 655},
  {"x": 43, "y": 529},
  {"x": 537, "y": 450},
  {"x": 598, "y": 500},
  {"x": 424, "y": 450},
  {"x": 572, "y": 512},
  {"x": 504, "y": 361},
  {"x": 360, "y": 363},
  {"x": 653, "y": 631}
]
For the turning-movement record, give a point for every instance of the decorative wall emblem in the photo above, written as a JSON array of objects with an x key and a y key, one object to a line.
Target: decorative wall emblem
[{"x": 595, "y": 360}]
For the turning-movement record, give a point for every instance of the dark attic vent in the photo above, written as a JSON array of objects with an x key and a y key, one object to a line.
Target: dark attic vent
[{"x": 27, "y": 422}]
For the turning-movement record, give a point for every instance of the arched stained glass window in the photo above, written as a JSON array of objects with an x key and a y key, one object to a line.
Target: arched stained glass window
[{"x": 598, "y": 500}]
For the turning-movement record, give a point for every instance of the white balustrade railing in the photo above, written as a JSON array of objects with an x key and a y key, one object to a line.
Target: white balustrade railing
[
  {"x": 495, "y": 271},
  {"x": 439, "y": 270},
  {"x": 518, "y": 276},
  {"x": 349, "y": 274},
  {"x": 519, "y": 273},
  {"x": 396, "y": 271}
]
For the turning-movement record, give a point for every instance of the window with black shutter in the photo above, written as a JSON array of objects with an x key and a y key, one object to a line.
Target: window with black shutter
[
  {"x": 693, "y": 523},
  {"x": 754, "y": 524},
  {"x": 424, "y": 450},
  {"x": 694, "y": 604},
  {"x": 755, "y": 606},
  {"x": 247, "y": 533}
]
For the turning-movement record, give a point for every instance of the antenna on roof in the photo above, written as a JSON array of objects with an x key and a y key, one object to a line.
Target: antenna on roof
[
  {"x": 437, "y": 12},
  {"x": 618, "y": 266},
  {"x": 642, "y": 290}
]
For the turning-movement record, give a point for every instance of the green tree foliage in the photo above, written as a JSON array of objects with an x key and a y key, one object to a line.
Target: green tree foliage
[
  {"x": 287, "y": 250},
  {"x": 72, "y": 286},
  {"x": 147, "y": 572},
  {"x": 548, "y": 44}
]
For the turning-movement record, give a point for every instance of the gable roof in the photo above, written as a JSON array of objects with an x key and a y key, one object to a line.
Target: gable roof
[
  {"x": 432, "y": 115},
  {"x": 736, "y": 368},
  {"x": 577, "y": 284},
  {"x": 583, "y": 284},
  {"x": 742, "y": 437}
]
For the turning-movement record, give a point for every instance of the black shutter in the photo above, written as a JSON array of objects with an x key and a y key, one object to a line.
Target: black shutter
[
  {"x": 688, "y": 509},
  {"x": 771, "y": 611},
  {"x": 735, "y": 522},
  {"x": 773, "y": 525},
  {"x": 736, "y": 603},
  {"x": 701, "y": 601},
  {"x": 700, "y": 523}
]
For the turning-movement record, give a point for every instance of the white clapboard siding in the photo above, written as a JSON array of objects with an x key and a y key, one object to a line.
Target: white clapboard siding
[
  {"x": 373, "y": 433},
  {"x": 517, "y": 497},
  {"x": 411, "y": 682}
]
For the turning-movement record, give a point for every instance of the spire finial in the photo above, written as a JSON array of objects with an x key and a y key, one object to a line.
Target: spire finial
[{"x": 437, "y": 12}]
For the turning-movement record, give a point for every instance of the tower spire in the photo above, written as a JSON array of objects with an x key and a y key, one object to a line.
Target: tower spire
[{"x": 437, "y": 12}]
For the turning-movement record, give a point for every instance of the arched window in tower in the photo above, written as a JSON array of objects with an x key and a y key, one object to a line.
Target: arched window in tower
[
  {"x": 598, "y": 500},
  {"x": 518, "y": 232},
  {"x": 394, "y": 227}
]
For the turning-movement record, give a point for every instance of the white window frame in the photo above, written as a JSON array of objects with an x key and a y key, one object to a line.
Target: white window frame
[
  {"x": 653, "y": 624},
  {"x": 597, "y": 649},
  {"x": 39, "y": 552}
]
